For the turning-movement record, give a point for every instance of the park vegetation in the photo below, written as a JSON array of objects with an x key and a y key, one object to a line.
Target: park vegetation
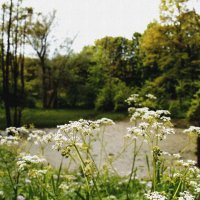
[
  {"x": 164, "y": 60},
  {"x": 167, "y": 176},
  {"x": 160, "y": 68}
]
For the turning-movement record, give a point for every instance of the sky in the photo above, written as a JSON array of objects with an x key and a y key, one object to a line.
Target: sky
[{"x": 95, "y": 19}]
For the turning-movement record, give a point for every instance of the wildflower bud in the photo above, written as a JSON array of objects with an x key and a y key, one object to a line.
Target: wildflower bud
[
  {"x": 65, "y": 152},
  {"x": 156, "y": 153}
]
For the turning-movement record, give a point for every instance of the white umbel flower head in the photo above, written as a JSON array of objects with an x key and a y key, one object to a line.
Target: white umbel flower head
[
  {"x": 186, "y": 196},
  {"x": 193, "y": 129},
  {"x": 155, "y": 196},
  {"x": 26, "y": 160}
]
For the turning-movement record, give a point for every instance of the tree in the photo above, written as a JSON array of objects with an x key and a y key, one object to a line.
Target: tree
[
  {"x": 59, "y": 72},
  {"x": 115, "y": 54},
  {"x": 13, "y": 25},
  {"x": 39, "y": 31},
  {"x": 171, "y": 50}
]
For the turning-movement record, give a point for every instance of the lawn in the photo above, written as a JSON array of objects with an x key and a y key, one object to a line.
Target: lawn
[{"x": 41, "y": 118}]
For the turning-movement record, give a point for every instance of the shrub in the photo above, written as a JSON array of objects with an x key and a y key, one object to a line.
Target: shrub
[
  {"x": 112, "y": 96},
  {"x": 194, "y": 110}
]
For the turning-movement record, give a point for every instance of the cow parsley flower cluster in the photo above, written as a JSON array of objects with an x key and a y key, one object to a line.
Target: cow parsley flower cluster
[
  {"x": 40, "y": 137},
  {"x": 146, "y": 114},
  {"x": 82, "y": 127},
  {"x": 193, "y": 129},
  {"x": 26, "y": 160},
  {"x": 187, "y": 163},
  {"x": 150, "y": 96},
  {"x": 76, "y": 131},
  {"x": 151, "y": 123},
  {"x": 104, "y": 122},
  {"x": 61, "y": 140},
  {"x": 151, "y": 130},
  {"x": 155, "y": 196},
  {"x": 13, "y": 135},
  {"x": 133, "y": 99},
  {"x": 21, "y": 131},
  {"x": 34, "y": 173},
  {"x": 186, "y": 196},
  {"x": 9, "y": 140},
  {"x": 137, "y": 100}
]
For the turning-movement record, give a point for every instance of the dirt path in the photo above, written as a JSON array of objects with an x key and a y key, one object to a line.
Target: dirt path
[{"x": 114, "y": 137}]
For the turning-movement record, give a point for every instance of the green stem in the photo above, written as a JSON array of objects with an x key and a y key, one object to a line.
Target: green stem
[
  {"x": 83, "y": 164},
  {"x": 177, "y": 189},
  {"x": 154, "y": 175},
  {"x": 103, "y": 148},
  {"x": 179, "y": 184},
  {"x": 136, "y": 151},
  {"x": 9, "y": 174}
]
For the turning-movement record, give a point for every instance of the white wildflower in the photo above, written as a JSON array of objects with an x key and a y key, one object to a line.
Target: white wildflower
[
  {"x": 177, "y": 175},
  {"x": 131, "y": 110},
  {"x": 23, "y": 131},
  {"x": 34, "y": 173},
  {"x": 193, "y": 183},
  {"x": 195, "y": 170},
  {"x": 82, "y": 126},
  {"x": 26, "y": 160},
  {"x": 40, "y": 137},
  {"x": 64, "y": 187},
  {"x": 155, "y": 196},
  {"x": 192, "y": 129},
  {"x": 197, "y": 189},
  {"x": 20, "y": 197},
  {"x": 136, "y": 131},
  {"x": 9, "y": 140},
  {"x": 176, "y": 155},
  {"x": 162, "y": 112},
  {"x": 151, "y": 96},
  {"x": 165, "y": 119},
  {"x": 105, "y": 122},
  {"x": 111, "y": 197},
  {"x": 132, "y": 99},
  {"x": 62, "y": 141},
  {"x": 143, "y": 125},
  {"x": 188, "y": 163},
  {"x": 27, "y": 181},
  {"x": 138, "y": 113},
  {"x": 12, "y": 131},
  {"x": 164, "y": 153},
  {"x": 185, "y": 196}
]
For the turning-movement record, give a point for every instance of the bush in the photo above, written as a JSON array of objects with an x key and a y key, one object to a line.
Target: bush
[
  {"x": 194, "y": 111},
  {"x": 175, "y": 109},
  {"x": 112, "y": 96}
]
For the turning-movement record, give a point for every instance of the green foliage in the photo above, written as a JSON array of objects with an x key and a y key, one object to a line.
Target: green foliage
[
  {"x": 105, "y": 97},
  {"x": 194, "y": 110},
  {"x": 175, "y": 109},
  {"x": 44, "y": 118},
  {"x": 112, "y": 96},
  {"x": 32, "y": 177},
  {"x": 164, "y": 61}
]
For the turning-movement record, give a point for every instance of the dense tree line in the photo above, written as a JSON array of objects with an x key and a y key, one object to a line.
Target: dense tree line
[{"x": 164, "y": 60}]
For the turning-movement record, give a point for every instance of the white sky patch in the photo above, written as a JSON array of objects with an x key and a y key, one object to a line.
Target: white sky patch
[{"x": 94, "y": 19}]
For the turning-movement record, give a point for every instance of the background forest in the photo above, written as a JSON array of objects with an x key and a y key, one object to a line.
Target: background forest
[{"x": 164, "y": 61}]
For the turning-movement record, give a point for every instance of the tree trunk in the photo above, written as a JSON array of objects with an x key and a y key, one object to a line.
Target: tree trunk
[
  {"x": 44, "y": 84},
  {"x": 8, "y": 62}
]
